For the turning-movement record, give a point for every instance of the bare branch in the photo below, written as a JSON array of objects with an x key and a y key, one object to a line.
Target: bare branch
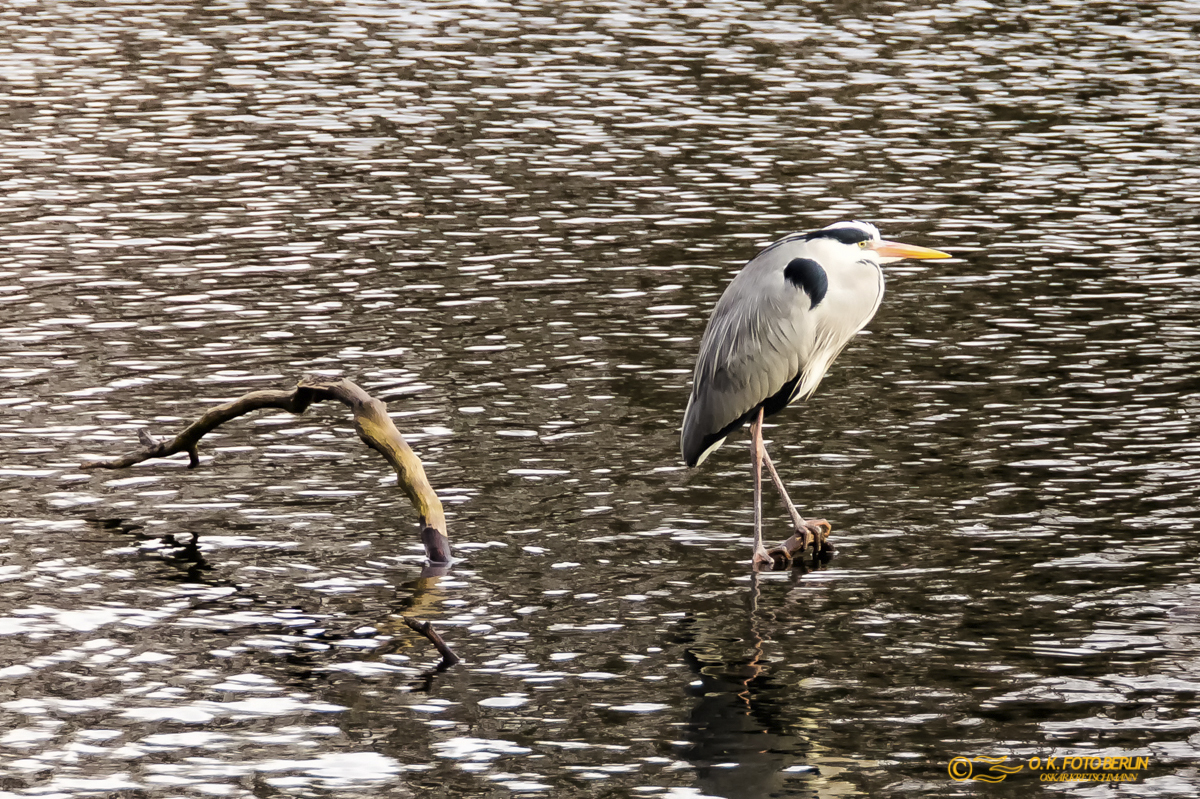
[{"x": 371, "y": 421}]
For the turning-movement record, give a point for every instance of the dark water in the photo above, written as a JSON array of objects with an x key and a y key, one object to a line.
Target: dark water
[{"x": 510, "y": 220}]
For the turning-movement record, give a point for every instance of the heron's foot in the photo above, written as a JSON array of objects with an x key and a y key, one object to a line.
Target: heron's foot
[
  {"x": 813, "y": 533},
  {"x": 762, "y": 558},
  {"x": 819, "y": 530}
]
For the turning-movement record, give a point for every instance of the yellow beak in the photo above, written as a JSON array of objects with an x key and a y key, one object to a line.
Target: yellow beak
[{"x": 894, "y": 249}]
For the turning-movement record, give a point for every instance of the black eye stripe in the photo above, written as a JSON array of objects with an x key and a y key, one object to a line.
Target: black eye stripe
[{"x": 846, "y": 235}]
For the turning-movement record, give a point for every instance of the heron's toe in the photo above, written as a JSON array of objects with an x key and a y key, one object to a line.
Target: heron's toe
[
  {"x": 781, "y": 559},
  {"x": 763, "y": 558},
  {"x": 819, "y": 528}
]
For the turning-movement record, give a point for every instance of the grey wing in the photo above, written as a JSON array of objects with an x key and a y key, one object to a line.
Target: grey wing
[
  {"x": 767, "y": 343},
  {"x": 754, "y": 348}
]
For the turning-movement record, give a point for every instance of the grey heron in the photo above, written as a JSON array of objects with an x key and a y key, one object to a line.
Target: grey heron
[{"x": 773, "y": 334}]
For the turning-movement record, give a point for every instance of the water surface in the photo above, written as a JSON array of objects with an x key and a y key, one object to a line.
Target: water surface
[{"x": 510, "y": 220}]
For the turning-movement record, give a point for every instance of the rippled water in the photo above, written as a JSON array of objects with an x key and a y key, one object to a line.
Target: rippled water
[{"x": 510, "y": 220}]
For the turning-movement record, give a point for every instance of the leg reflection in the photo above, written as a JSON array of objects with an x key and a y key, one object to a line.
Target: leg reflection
[{"x": 744, "y": 729}]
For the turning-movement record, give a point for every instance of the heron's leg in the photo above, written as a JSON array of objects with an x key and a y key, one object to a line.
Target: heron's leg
[
  {"x": 797, "y": 520},
  {"x": 756, "y": 446},
  {"x": 815, "y": 531}
]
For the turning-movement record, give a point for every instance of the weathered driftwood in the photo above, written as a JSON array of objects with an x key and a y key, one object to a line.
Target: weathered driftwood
[
  {"x": 425, "y": 628},
  {"x": 371, "y": 421}
]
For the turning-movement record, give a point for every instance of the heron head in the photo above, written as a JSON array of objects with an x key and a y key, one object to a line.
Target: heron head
[{"x": 862, "y": 239}]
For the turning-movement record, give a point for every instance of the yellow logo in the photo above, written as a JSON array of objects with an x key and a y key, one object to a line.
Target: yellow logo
[
  {"x": 984, "y": 769},
  {"x": 1052, "y": 768}
]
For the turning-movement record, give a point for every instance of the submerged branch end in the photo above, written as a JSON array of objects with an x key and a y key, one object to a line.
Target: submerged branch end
[
  {"x": 425, "y": 628},
  {"x": 437, "y": 545}
]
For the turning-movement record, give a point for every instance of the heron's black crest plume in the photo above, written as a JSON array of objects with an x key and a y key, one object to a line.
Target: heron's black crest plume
[
  {"x": 808, "y": 276},
  {"x": 846, "y": 235}
]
